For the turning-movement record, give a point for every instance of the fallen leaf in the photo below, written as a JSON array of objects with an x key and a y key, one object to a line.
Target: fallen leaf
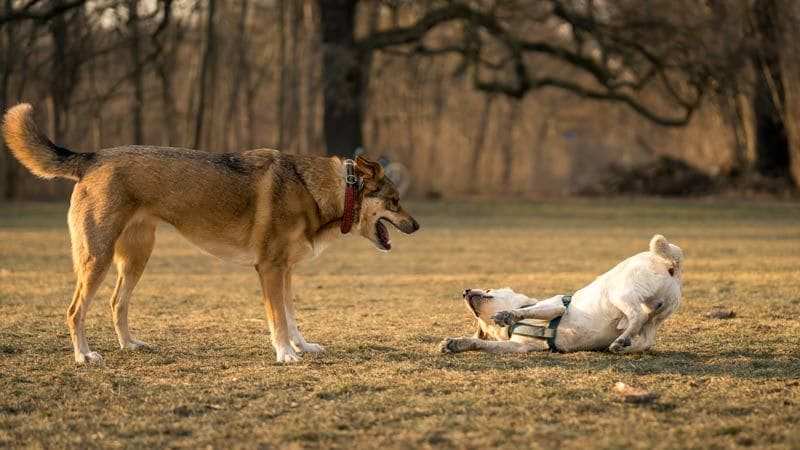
[
  {"x": 721, "y": 314},
  {"x": 631, "y": 394}
]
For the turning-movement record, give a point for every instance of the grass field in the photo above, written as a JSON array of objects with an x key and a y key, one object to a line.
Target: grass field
[{"x": 211, "y": 379}]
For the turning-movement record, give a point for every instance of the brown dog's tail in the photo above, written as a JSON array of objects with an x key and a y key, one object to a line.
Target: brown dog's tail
[{"x": 35, "y": 151}]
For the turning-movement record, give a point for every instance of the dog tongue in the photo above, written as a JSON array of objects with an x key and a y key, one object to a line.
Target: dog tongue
[{"x": 383, "y": 232}]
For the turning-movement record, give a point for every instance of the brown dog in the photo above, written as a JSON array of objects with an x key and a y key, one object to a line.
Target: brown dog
[{"x": 259, "y": 207}]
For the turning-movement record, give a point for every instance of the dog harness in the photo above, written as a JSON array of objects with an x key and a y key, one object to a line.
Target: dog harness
[
  {"x": 353, "y": 185},
  {"x": 535, "y": 331}
]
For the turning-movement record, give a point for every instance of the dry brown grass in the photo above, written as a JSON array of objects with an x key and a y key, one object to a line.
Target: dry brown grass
[{"x": 211, "y": 379}]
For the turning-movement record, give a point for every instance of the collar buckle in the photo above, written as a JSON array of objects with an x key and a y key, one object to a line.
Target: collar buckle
[{"x": 350, "y": 177}]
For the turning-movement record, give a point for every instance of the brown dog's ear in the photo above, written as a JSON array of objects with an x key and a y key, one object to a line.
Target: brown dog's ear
[{"x": 368, "y": 170}]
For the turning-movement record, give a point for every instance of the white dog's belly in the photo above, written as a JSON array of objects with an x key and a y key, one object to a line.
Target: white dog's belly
[
  {"x": 571, "y": 338},
  {"x": 590, "y": 322}
]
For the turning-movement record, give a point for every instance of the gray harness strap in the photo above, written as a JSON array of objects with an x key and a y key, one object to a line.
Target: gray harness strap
[{"x": 540, "y": 332}]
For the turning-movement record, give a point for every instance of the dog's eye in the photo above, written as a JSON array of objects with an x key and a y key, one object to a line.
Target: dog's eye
[{"x": 394, "y": 204}]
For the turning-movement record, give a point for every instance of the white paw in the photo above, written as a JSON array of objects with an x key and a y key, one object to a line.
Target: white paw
[
  {"x": 134, "y": 344},
  {"x": 620, "y": 345},
  {"x": 445, "y": 348},
  {"x": 308, "y": 347},
  {"x": 286, "y": 355},
  {"x": 505, "y": 318},
  {"x": 82, "y": 358}
]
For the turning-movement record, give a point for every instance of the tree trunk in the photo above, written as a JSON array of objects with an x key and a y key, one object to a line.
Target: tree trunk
[
  {"x": 346, "y": 69},
  {"x": 772, "y": 144},
  {"x": 281, "y": 72},
  {"x": 507, "y": 148},
  {"x": 207, "y": 66},
  {"x": 239, "y": 69},
  {"x": 474, "y": 175},
  {"x": 9, "y": 46},
  {"x": 59, "y": 82},
  {"x": 136, "y": 76},
  {"x": 311, "y": 82},
  {"x": 790, "y": 69}
]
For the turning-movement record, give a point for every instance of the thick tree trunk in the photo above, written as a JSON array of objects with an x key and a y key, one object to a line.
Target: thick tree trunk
[
  {"x": 790, "y": 69},
  {"x": 772, "y": 144},
  {"x": 346, "y": 70},
  {"x": 9, "y": 58}
]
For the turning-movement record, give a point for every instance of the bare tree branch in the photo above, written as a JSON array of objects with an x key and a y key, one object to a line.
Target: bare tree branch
[{"x": 25, "y": 12}]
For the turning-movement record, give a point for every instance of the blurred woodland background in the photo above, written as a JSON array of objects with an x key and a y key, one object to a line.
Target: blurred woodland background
[{"x": 489, "y": 97}]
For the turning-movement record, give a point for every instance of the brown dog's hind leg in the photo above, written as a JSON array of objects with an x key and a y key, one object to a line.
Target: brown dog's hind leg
[
  {"x": 637, "y": 318},
  {"x": 131, "y": 253},
  {"x": 91, "y": 254}
]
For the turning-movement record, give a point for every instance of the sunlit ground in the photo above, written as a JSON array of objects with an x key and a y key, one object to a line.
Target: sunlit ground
[{"x": 211, "y": 378}]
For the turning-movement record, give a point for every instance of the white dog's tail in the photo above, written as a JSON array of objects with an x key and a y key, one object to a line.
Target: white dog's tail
[{"x": 660, "y": 246}]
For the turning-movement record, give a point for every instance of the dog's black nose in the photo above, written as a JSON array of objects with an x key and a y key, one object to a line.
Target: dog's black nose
[{"x": 414, "y": 224}]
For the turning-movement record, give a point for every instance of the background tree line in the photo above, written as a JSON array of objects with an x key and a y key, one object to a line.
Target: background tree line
[{"x": 502, "y": 96}]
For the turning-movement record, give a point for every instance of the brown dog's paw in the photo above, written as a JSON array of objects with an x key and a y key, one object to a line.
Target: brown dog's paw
[
  {"x": 505, "y": 318},
  {"x": 620, "y": 345}
]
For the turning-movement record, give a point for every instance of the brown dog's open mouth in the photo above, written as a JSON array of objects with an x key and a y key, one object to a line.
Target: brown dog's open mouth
[{"x": 382, "y": 235}]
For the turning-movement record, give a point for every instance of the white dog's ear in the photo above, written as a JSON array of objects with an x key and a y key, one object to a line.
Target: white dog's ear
[{"x": 660, "y": 246}]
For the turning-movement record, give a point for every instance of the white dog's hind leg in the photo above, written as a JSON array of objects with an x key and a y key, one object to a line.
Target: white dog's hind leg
[
  {"x": 637, "y": 317},
  {"x": 544, "y": 310},
  {"x": 646, "y": 338},
  {"x": 465, "y": 344}
]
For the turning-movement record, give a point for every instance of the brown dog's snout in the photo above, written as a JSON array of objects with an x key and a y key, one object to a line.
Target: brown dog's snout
[
  {"x": 414, "y": 224},
  {"x": 409, "y": 226}
]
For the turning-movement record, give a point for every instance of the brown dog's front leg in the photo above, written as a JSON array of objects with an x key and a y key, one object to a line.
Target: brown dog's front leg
[
  {"x": 295, "y": 337},
  {"x": 272, "y": 283}
]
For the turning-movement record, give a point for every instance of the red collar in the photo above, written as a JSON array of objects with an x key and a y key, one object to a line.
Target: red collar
[{"x": 353, "y": 185}]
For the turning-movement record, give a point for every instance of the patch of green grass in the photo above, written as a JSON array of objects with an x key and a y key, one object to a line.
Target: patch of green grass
[{"x": 211, "y": 379}]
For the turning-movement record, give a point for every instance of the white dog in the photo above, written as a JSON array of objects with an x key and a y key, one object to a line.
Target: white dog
[{"x": 619, "y": 311}]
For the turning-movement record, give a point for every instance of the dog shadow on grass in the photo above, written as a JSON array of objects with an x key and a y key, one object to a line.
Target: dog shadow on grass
[{"x": 744, "y": 364}]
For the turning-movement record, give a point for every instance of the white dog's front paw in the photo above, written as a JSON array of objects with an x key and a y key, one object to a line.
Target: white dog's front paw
[
  {"x": 286, "y": 355},
  {"x": 135, "y": 344},
  {"x": 456, "y": 345},
  {"x": 82, "y": 358},
  {"x": 308, "y": 347},
  {"x": 620, "y": 345},
  {"x": 505, "y": 318},
  {"x": 444, "y": 346}
]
